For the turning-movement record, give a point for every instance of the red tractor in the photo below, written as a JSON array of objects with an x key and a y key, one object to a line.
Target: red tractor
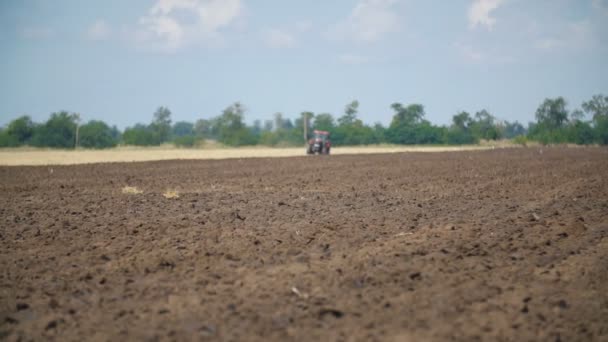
[{"x": 320, "y": 143}]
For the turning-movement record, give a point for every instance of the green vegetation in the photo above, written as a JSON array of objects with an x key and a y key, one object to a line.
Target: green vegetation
[{"x": 555, "y": 124}]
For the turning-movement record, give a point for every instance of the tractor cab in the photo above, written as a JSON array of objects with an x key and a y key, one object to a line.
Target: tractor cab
[{"x": 320, "y": 143}]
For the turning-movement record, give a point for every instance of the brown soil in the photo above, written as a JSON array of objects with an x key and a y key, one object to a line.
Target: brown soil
[{"x": 504, "y": 245}]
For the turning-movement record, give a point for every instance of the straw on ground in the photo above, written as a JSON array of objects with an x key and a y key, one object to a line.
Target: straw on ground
[
  {"x": 171, "y": 193},
  {"x": 131, "y": 190}
]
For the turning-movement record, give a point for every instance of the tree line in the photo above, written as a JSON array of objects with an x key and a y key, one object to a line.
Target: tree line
[{"x": 555, "y": 123}]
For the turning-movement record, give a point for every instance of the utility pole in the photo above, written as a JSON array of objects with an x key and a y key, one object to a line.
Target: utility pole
[
  {"x": 305, "y": 121},
  {"x": 77, "y": 119}
]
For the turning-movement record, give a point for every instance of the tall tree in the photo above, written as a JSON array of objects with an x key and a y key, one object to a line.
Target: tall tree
[
  {"x": 462, "y": 120},
  {"x": 279, "y": 121},
  {"x": 552, "y": 113},
  {"x": 597, "y": 107},
  {"x": 59, "y": 131},
  {"x": 350, "y": 114},
  {"x": 410, "y": 115},
  {"x": 231, "y": 128},
  {"x": 21, "y": 129},
  {"x": 485, "y": 126},
  {"x": 513, "y": 129},
  {"x": 257, "y": 127},
  {"x": 324, "y": 122},
  {"x": 162, "y": 123}
]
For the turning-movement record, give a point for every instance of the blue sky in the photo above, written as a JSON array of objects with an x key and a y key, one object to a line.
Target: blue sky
[{"x": 119, "y": 60}]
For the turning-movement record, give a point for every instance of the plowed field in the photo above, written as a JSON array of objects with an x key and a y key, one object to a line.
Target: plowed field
[{"x": 501, "y": 245}]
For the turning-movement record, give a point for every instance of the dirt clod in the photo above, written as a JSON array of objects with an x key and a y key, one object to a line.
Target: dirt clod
[{"x": 22, "y": 306}]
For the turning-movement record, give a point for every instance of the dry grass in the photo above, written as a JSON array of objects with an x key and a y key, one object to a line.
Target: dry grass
[
  {"x": 131, "y": 190},
  {"x": 171, "y": 194},
  {"x": 29, "y": 156}
]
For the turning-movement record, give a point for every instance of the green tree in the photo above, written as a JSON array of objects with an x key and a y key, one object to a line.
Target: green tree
[
  {"x": 514, "y": 129},
  {"x": 96, "y": 134},
  {"x": 140, "y": 135},
  {"x": 350, "y": 114},
  {"x": 256, "y": 129},
  {"x": 162, "y": 123},
  {"x": 581, "y": 133},
  {"x": 485, "y": 126},
  {"x": 182, "y": 128},
  {"x": 7, "y": 140},
  {"x": 462, "y": 121},
  {"x": 552, "y": 113},
  {"x": 278, "y": 121},
  {"x": 410, "y": 115},
  {"x": 21, "y": 129},
  {"x": 460, "y": 132},
  {"x": 231, "y": 129},
  {"x": 355, "y": 133},
  {"x": 287, "y": 124},
  {"x": 268, "y": 126},
  {"x": 409, "y": 126},
  {"x": 601, "y": 130},
  {"x": 379, "y": 132},
  {"x": 324, "y": 122},
  {"x": 597, "y": 107},
  {"x": 58, "y": 132},
  {"x": 552, "y": 117}
]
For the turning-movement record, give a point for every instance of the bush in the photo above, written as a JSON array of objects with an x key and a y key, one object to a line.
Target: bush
[
  {"x": 58, "y": 132},
  {"x": 601, "y": 130},
  {"x": 521, "y": 140},
  {"x": 187, "y": 141},
  {"x": 458, "y": 136},
  {"x": 96, "y": 134},
  {"x": 141, "y": 135},
  {"x": 7, "y": 140},
  {"x": 21, "y": 130}
]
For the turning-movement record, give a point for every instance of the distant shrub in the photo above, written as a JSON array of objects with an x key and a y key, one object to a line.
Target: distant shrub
[
  {"x": 96, "y": 134},
  {"x": 141, "y": 135},
  {"x": 7, "y": 140},
  {"x": 521, "y": 140},
  {"x": 187, "y": 141}
]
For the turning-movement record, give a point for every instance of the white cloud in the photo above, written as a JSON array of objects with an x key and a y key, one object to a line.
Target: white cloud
[
  {"x": 369, "y": 21},
  {"x": 37, "y": 33},
  {"x": 480, "y": 13},
  {"x": 276, "y": 38},
  {"x": 171, "y": 24},
  {"x": 100, "y": 30},
  {"x": 352, "y": 59}
]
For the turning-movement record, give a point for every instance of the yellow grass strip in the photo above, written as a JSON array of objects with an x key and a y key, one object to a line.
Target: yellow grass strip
[{"x": 28, "y": 156}]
